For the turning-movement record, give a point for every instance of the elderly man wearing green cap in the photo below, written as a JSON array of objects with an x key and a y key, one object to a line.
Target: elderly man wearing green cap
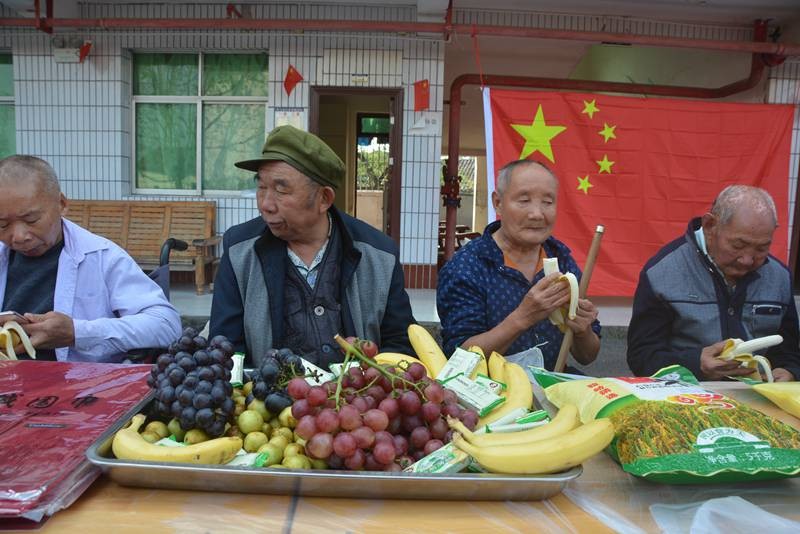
[{"x": 304, "y": 271}]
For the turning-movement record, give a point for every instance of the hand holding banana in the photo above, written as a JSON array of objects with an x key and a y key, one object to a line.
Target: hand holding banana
[{"x": 11, "y": 335}]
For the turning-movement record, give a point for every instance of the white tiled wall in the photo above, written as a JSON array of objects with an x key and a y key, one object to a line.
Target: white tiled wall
[
  {"x": 78, "y": 116},
  {"x": 784, "y": 88}
]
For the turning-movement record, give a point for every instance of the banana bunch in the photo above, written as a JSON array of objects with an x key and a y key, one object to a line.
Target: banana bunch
[
  {"x": 539, "y": 450},
  {"x": 394, "y": 359},
  {"x": 427, "y": 349},
  {"x": 743, "y": 352},
  {"x": 128, "y": 444},
  {"x": 11, "y": 335},
  {"x": 518, "y": 393},
  {"x": 569, "y": 311},
  {"x": 565, "y": 420}
]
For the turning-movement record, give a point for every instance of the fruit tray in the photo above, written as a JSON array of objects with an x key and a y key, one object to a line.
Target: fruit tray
[{"x": 323, "y": 483}]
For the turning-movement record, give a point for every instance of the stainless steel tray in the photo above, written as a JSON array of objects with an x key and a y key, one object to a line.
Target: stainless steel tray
[{"x": 323, "y": 483}]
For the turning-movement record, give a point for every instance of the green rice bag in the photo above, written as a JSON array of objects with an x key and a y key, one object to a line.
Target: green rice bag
[{"x": 669, "y": 429}]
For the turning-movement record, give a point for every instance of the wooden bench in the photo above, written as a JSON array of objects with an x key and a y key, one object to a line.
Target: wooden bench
[{"x": 141, "y": 227}]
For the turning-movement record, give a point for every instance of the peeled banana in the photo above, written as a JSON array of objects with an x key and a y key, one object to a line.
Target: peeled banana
[
  {"x": 565, "y": 420},
  {"x": 569, "y": 311},
  {"x": 128, "y": 444},
  {"x": 743, "y": 352},
  {"x": 427, "y": 349},
  {"x": 482, "y": 367},
  {"x": 394, "y": 358},
  {"x": 545, "y": 456},
  {"x": 11, "y": 335},
  {"x": 519, "y": 393}
]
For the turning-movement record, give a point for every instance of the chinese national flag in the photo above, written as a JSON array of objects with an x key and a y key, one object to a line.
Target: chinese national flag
[
  {"x": 292, "y": 78},
  {"x": 422, "y": 95},
  {"x": 642, "y": 167}
]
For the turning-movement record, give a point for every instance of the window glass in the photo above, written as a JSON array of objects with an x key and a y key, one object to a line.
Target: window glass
[
  {"x": 165, "y": 74},
  {"x": 166, "y": 148},
  {"x": 235, "y": 75},
  {"x": 6, "y": 75},
  {"x": 231, "y": 133},
  {"x": 8, "y": 141}
]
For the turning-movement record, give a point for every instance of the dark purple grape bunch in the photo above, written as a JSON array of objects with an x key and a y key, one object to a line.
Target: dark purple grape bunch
[
  {"x": 277, "y": 368},
  {"x": 192, "y": 382}
]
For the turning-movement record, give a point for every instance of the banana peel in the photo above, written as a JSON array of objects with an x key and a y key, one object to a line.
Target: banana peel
[
  {"x": 12, "y": 335},
  {"x": 744, "y": 353},
  {"x": 559, "y": 316}
]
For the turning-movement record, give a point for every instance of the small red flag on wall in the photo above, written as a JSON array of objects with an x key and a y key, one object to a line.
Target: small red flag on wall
[
  {"x": 293, "y": 77},
  {"x": 422, "y": 95}
]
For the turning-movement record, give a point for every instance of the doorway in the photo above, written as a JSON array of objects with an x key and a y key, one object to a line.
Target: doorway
[{"x": 363, "y": 127}]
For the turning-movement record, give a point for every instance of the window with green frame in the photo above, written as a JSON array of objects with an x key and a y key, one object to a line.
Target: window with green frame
[
  {"x": 195, "y": 115},
  {"x": 8, "y": 128}
]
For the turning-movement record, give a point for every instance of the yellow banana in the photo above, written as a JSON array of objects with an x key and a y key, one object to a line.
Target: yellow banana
[
  {"x": 12, "y": 334},
  {"x": 128, "y": 444},
  {"x": 519, "y": 394},
  {"x": 550, "y": 265},
  {"x": 394, "y": 358},
  {"x": 565, "y": 420},
  {"x": 482, "y": 367},
  {"x": 427, "y": 349},
  {"x": 496, "y": 366},
  {"x": 546, "y": 456},
  {"x": 785, "y": 394}
]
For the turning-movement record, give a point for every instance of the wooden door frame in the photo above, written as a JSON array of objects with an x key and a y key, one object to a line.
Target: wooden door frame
[{"x": 395, "y": 145}]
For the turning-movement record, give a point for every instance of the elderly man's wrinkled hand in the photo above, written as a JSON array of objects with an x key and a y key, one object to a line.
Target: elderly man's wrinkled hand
[
  {"x": 50, "y": 330},
  {"x": 585, "y": 315},
  {"x": 714, "y": 368},
  {"x": 547, "y": 295}
]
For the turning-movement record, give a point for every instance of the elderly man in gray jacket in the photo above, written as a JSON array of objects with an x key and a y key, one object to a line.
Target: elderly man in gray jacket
[{"x": 718, "y": 281}]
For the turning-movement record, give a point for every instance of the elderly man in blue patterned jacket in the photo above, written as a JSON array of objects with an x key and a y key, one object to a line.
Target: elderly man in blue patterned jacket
[
  {"x": 715, "y": 282},
  {"x": 493, "y": 293}
]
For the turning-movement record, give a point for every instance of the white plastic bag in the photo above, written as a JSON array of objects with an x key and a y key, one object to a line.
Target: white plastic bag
[{"x": 728, "y": 515}]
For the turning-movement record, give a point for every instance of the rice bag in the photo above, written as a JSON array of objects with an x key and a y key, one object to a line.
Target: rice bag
[{"x": 669, "y": 429}]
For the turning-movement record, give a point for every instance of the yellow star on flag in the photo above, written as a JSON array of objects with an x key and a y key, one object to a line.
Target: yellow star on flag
[
  {"x": 590, "y": 108},
  {"x": 538, "y": 136},
  {"x": 608, "y": 132},
  {"x": 584, "y": 184},
  {"x": 605, "y": 165}
]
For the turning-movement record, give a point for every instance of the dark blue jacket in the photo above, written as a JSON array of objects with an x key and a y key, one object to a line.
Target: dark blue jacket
[
  {"x": 249, "y": 288},
  {"x": 477, "y": 291},
  {"x": 682, "y": 305}
]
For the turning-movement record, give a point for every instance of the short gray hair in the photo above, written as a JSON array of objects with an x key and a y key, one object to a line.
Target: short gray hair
[
  {"x": 15, "y": 170},
  {"x": 504, "y": 176},
  {"x": 734, "y": 197}
]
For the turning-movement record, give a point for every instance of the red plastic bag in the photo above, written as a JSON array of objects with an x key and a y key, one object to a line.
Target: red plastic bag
[{"x": 50, "y": 413}]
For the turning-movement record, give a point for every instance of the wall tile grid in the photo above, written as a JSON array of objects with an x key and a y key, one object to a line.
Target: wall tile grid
[
  {"x": 784, "y": 88},
  {"x": 78, "y": 115}
]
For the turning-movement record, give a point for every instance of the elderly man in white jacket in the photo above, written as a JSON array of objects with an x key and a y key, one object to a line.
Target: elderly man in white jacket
[{"x": 83, "y": 298}]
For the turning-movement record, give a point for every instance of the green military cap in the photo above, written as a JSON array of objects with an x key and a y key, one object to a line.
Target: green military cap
[{"x": 304, "y": 151}]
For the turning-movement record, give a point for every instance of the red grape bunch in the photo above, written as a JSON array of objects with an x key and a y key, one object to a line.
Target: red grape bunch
[{"x": 374, "y": 417}]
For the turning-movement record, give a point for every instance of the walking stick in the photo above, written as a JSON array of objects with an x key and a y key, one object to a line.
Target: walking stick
[{"x": 591, "y": 257}]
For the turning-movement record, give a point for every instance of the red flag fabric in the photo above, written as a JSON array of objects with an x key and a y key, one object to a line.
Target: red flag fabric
[
  {"x": 422, "y": 95},
  {"x": 642, "y": 167},
  {"x": 292, "y": 78}
]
